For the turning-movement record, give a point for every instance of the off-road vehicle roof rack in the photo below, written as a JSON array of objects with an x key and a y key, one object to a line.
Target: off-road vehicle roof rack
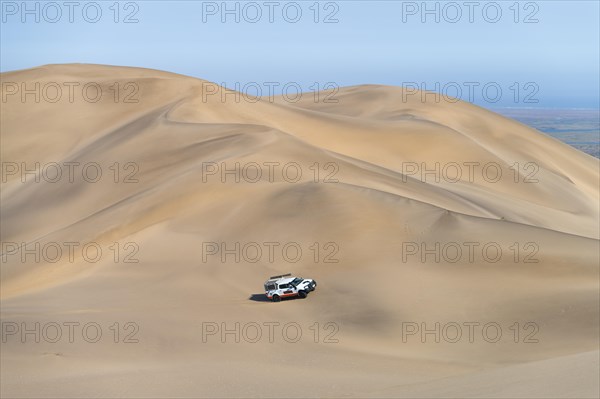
[{"x": 280, "y": 276}]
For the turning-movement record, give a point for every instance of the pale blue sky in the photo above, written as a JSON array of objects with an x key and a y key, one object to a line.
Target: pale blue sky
[{"x": 370, "y": 43}]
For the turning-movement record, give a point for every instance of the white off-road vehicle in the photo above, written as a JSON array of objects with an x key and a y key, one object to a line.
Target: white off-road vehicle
[{"x": 286, "y": 286}]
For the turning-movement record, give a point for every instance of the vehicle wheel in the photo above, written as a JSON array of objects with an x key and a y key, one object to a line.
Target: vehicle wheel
[
  {"x": 302, "y": 294},
  {"x": 276, "y": 298}
]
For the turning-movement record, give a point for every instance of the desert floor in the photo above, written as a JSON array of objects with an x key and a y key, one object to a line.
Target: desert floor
[{"x": 456, "y": 251}]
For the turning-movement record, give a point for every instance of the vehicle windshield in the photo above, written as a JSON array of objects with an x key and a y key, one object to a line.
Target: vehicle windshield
[{"x": 296, "y": 281}]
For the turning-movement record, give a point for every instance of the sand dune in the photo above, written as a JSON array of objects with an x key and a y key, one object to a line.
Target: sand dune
[{"x": 399, "y": 244}]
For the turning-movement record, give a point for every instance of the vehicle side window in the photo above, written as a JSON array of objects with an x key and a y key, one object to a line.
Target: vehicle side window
[{"x": 283, "y": 286}]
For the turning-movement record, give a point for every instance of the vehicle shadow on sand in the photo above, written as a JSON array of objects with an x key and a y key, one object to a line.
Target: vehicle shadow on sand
[
  {"x": 259, "y": 298},
  {"x": 263, "y": 298}
]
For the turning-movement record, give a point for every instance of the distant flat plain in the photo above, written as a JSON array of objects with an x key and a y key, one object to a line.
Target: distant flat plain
[{"x": 580, "y": 128}]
